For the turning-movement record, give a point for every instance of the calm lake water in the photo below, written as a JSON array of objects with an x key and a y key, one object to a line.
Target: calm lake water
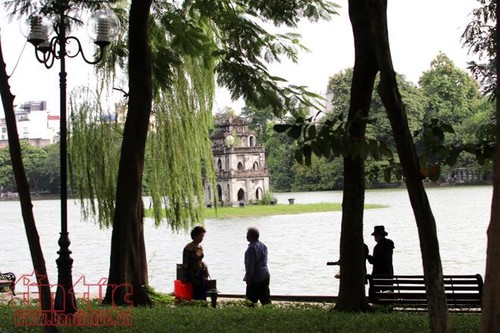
[{"x": 299, "y": 245}]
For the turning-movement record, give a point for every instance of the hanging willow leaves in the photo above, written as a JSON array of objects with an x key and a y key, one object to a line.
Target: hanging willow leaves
[
  {"x": 180, "y": 146},
  {"x": 93, "y": 145},
  {"x": 179, "y": 149}
]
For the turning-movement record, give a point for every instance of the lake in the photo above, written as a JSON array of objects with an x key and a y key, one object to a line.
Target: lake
[{"x": 299, "y": 245}]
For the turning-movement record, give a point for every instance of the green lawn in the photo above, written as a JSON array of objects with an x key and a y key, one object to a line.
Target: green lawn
[
  {"x": 238, "y": 318},
  {"x": 280, "y": 209}
]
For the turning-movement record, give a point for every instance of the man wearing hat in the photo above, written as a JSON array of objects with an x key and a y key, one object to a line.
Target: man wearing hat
[{"x": 382, "y": 253}]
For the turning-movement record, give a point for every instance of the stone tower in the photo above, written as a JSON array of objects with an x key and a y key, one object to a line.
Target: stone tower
[{"x": 240, "y": 164}]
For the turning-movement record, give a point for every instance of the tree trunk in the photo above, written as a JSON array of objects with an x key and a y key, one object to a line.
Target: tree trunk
[
  {"x": 490, "y": 317},
  {"x": 127, "y": 263},
  {"x": 429, "y": 245},
  {"x": 352, "y": 265},
  {"x": 24, "y": 195}
]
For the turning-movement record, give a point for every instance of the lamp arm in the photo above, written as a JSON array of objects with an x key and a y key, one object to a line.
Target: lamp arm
[
  {"x": 47, "y": 54},
  {"x": 80, "y": 51}
]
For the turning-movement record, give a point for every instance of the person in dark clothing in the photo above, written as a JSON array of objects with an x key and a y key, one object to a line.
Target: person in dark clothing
[
  {"x": 382, "y": 253},
  {"x": 257, "y": 275},
  {"x": 194, "y": 269}
]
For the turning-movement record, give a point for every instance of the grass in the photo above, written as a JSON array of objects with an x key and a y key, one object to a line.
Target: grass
[
  {"x": 237, "y": 317},
  {"x": 266, "y": 210}
]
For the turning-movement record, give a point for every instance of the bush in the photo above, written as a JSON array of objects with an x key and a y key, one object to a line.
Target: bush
[{"x": 267, "y": 198}]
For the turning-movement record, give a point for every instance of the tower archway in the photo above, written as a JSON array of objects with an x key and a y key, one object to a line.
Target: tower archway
[
  {"x": 259, "y": 194},
  {"x": 241, "y": 195},
  {"x": 219, "y": 193}
]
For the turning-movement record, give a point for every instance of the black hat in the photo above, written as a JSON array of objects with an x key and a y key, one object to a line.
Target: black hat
[{"x": 379, "y": 230}]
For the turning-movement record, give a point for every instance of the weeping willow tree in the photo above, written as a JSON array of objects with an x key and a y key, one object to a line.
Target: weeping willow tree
[{"x": 178, "y": 149}]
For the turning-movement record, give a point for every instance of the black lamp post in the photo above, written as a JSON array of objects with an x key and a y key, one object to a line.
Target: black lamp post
[{"x": 103, "y": 26}]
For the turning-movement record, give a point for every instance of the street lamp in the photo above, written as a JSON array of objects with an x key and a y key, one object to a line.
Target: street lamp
[{"x": 103, "y": 26}]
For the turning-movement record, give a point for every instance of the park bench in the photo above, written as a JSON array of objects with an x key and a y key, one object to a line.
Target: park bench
[
  {"x": 8, "y": 282},
  {"x": 407, "y": 292}
]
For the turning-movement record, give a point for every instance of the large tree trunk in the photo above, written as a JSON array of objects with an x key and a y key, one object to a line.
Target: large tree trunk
[
  {"x": 352, "y": 264},
  {"x": 490, "y": 318},
  {"x": 429, "y": 245},
  {"x": 127, "y": 263},
  {"x": 24, "y": 194}
]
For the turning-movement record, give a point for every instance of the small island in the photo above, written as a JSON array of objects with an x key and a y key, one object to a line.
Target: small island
[{"x": 267, "y": 210}]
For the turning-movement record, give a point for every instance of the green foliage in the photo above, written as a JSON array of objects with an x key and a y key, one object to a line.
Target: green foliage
[
  {"x": 258, "y": 121},
  {"x": 458, "y": 122},
  {"x": 327, "y": 136},
  {"x": 479, "y": 37},
  {"x": 224, "y": 115},
  {"x": 452, "y": 124},
  {"x": 52, "y": 8},
  {"x": 50, "y": 171},
  {"x": 280, "y": 159},
  {"x": 180, "y": 147},
  {"x": 378, "y": 126},
  {"x": 159, "y": 298},
  {"x": 321, "y": 175},
  {"x": 267, "y": 198},
  {"x": 33, "y": 159},
  {"x": 177, "y": 151},
  {"x": 93, "y": 143},
  {"x": 431, "y": 148},
  {"x": 6, "y": 174},
  {"x": 439, "y": 145},
  {"x": 41, "y": 166},
  {"x": 330, "y": 139},
  {"x": 450, "y": 91}
]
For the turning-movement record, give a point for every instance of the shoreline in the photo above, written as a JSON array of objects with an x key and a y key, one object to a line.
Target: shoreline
[{"x": 14, "y": 196}]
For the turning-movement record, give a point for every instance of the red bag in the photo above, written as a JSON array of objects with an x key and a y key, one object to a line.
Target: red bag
[{"x": 183, "y": 290}]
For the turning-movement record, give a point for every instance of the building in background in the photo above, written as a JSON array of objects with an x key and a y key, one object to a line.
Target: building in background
[
  {"x": 34, "y": 123},
  {"x": 240, "y": 164}
]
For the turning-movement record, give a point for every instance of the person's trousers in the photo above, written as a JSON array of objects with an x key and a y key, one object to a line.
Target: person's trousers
[{"x": 259, "y": 291}]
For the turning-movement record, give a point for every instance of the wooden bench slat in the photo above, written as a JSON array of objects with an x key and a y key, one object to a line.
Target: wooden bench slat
[
  {"x": 410, "y": 287},
  {"x": 424, "y": 297},
  {"x": 417, "y": 277},
  {"x": 421, "y": 281},
  {"x": 424, "y": 302}
]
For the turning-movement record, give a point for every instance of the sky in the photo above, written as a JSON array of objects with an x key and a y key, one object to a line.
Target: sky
[{"x": 418, "y": 31}]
